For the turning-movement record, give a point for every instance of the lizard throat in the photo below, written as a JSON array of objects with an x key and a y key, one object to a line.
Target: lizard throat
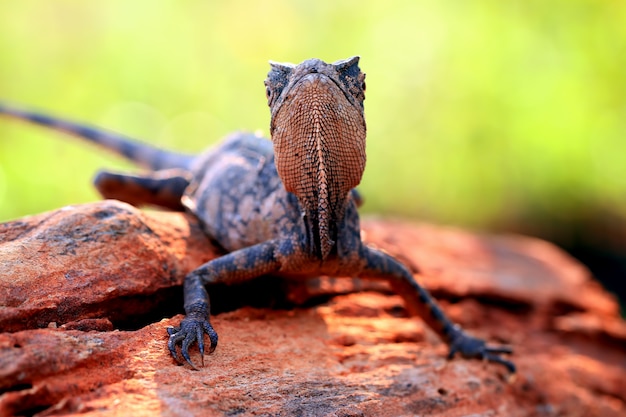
[{"x": 319, "y": 146}]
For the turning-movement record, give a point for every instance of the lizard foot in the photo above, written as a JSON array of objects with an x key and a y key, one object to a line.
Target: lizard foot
[
  {"x": 471, "y": 347},
  {"x": 191, "y": 330}
]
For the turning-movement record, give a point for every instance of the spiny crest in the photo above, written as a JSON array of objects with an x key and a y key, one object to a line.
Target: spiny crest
[
  {"x": 346, "y": 74},
  {"x": 352, "y": 77},
  {"x": 276, "y": 80}
]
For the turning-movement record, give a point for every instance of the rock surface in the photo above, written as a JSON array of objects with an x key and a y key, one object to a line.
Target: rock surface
[{"x": 87, "y": 292}]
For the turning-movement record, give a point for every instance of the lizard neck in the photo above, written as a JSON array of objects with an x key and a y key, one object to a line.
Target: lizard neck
[
  {"x": 322, "y": 227},
  {"x": 319, "y": 147}
]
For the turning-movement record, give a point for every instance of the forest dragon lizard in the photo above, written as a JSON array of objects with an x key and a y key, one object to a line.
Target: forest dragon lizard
[{"x": 284, "y": 206}]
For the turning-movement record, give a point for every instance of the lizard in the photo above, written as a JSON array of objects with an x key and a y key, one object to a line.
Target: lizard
[{"x": 285, "y": 206}]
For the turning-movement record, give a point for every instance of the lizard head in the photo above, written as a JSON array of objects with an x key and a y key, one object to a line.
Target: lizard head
[{"x": 318, "y": 131}]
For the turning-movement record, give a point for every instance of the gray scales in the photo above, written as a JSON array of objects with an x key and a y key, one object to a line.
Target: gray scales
[{"x": 285, "y": 207}]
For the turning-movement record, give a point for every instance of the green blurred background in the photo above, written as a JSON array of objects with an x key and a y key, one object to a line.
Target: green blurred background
[{"x": 495, "y": 115}]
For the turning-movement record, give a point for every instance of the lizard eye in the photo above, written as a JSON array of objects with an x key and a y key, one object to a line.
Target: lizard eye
[
  {"x": 268, "y": 95},
  {"x": 363, "y": 86}
]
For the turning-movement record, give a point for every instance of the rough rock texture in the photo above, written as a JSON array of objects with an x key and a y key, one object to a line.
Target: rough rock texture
[{"x": 86, "y": 294}]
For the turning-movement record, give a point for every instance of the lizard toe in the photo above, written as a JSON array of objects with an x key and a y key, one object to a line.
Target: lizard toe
[
  {"x": 184, "y": 349},
  {"x": 172, "y": 330},
  {"x": 471, "y": 347},
  {"x": 212, "y": 336},
  {"x": 175, "y": 337},
  {"x": 191, "y": 330}
]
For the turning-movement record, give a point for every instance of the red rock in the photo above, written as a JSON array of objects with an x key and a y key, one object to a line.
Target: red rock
[
  {"x": 69, "y": 277},
  {"x": 90, "y": 261}
]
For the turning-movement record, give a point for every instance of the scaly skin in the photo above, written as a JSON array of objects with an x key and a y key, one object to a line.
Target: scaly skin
[{"x": 287, "y": 209}]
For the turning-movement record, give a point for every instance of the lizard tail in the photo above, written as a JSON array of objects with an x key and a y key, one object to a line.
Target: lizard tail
[{"x": 142, "y": 154}]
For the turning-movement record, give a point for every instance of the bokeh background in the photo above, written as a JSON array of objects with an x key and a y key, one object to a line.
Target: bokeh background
[{"x": 496, "y": 115}]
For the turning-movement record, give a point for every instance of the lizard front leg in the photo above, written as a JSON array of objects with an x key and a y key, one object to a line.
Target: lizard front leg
[
  {"x": 419, "y": 302},
  {"x": 232, "y": 268}
]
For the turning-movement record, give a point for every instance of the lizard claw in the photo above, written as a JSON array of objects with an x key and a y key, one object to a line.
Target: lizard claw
[
  {"x": 191, "y": 330},
  {"x": 471, "y": 347}
]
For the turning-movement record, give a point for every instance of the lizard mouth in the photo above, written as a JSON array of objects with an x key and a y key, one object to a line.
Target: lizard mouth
[{"x": 319, "y": 146}]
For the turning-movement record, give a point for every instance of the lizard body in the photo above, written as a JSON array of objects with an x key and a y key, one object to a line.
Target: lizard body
[{"x": 285, "y": 207}]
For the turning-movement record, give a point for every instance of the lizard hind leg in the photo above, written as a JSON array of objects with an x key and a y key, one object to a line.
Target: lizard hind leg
[{"x": 163, "y": 188}]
